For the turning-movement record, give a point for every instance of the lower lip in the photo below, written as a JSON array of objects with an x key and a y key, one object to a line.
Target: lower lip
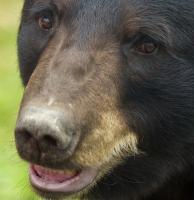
[{"x": 75, "y": 184}]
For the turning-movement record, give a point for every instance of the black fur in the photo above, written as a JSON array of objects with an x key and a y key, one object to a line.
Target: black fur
[{"x": 156, "y": 92}]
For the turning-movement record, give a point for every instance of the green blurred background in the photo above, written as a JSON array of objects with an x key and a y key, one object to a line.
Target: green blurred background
[{"x": 13, "y": 172}]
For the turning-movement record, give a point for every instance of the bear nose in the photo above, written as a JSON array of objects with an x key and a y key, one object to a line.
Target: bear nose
[{"x": 44, "y": 134}]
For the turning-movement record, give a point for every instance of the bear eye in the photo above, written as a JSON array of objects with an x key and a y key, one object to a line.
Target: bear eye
[
  {"x": 147, "y": 46},
  {"x": 140, "y": 44},
  {"x": 45, "y": 21}
]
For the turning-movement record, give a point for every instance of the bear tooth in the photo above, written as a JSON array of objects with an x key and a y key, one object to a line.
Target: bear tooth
[{"x": 50, "y": 171}]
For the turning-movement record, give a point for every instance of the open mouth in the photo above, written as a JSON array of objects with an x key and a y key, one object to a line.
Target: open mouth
[{"x": 61, "y": 181}]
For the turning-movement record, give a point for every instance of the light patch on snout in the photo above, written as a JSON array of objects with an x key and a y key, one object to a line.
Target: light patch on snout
[
  {"x": 51, "y": 101},
  {"x": 108, "y": 141}
]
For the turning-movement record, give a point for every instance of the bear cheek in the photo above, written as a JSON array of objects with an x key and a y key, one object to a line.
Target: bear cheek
[{"x": 106, "y": 143}]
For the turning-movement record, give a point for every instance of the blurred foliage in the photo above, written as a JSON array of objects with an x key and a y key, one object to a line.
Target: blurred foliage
[{"x": 14, "y": 183}]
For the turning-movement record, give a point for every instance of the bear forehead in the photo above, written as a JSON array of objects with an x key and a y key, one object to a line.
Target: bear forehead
[{"x": 150, "y": 17}]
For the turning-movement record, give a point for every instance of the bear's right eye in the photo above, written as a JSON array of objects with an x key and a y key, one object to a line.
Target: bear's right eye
[{"x": 45, "y": 20}]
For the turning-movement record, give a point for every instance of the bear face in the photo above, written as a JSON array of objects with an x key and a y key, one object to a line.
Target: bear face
[{"x": 108, "y": 107}]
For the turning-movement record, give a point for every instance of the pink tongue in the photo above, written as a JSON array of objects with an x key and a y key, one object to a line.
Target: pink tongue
[{"x": 53, "y": 176}]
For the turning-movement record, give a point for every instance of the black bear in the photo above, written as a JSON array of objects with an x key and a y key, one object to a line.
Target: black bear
[{"x": 108, "y": 107}]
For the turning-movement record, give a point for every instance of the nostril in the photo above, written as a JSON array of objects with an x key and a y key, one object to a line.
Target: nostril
[
  {"x": 24, "y": 136},
  {"x": 26, "y": 144},
  {"x": 49, "y": 140}
]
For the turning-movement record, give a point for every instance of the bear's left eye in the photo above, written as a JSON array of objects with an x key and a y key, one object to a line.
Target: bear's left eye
[
  {"x": 140, "y": 44},
  {"x": 146, "y": 46}
]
